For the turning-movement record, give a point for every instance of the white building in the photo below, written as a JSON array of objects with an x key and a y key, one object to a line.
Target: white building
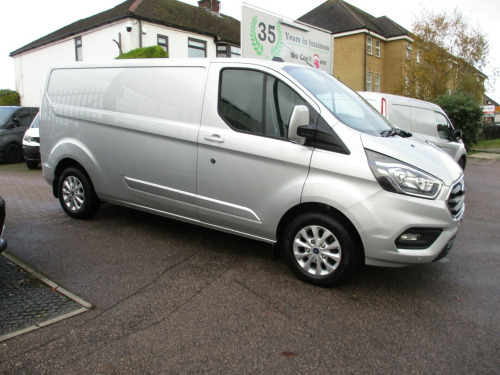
[{"x": 181, "y": 29}]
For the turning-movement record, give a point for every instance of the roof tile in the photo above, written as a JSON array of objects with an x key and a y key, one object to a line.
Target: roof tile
[
  {"x": 338, "y": 16},
  {"x": 171, "y": 13}
]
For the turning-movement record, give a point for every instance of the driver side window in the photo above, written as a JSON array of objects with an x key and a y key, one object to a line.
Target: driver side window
[
  {"x": 444, "y": 128},
  {"x": 24, "y": 117},
  {"x": 255, "y": 102}
]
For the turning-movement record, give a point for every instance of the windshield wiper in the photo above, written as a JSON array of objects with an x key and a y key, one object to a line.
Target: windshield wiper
[{"x": 395, "y": 131}]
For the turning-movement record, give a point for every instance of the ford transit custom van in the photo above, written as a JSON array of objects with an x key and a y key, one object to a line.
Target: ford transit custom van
[
  {"x": 426, "y": 120},
  {"x": 276, "y": 152}
]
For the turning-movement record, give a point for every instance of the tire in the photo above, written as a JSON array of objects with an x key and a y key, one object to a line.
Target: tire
[
  {"x": 319, "y": 249},
  {"x": 32, "y": 164},
  {"x": 13, "y": 153},
  {"x": 76, "y": 194}
]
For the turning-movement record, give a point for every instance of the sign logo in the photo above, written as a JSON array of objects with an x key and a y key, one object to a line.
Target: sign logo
[
  {"x": 316, "y": 60},
  {"x": 266, "y": 32},
  {"x": 268, "y": 36}
]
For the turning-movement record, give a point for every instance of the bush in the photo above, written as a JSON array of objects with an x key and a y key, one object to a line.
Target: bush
[
  {"x": 465, "y": 113},
  {"x": 9, "y": 97},
  {"x": 144, "y": 53}
]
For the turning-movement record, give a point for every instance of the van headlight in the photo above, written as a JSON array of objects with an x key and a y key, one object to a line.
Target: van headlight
[{"x": 397, "y": 177}]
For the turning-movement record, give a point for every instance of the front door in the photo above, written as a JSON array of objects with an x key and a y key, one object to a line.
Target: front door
[
  {"x": 445, "y": 132},
  {"x": 249, "y": 173}
]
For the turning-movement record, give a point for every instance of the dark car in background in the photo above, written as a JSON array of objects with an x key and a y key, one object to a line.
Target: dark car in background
[
  {"x": 14, "y": 121},
  {"x": 3, "y": 243}
]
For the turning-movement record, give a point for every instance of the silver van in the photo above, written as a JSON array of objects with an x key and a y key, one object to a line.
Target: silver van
[
  {"x": 276, "y": 152},
  {"x": 426, "y": 120}
]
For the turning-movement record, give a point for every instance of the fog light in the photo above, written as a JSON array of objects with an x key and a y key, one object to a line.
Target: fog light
[
  {"x": 410, "y": 236},
  {"x": 418, "y": 238}
]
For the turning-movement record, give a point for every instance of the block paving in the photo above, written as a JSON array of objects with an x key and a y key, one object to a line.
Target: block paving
[{"x": 26, "y": 301}]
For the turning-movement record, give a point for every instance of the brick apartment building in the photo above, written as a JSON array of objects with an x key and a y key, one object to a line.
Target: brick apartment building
[{"x": 370, "y": 53}]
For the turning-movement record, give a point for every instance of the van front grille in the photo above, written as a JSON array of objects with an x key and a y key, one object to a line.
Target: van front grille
[{"x": 456, "y": 200}]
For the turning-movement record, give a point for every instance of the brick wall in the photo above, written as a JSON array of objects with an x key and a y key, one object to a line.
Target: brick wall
[
  {"x": 394, "y": 62},
  {"x": 349, "y": 61}
]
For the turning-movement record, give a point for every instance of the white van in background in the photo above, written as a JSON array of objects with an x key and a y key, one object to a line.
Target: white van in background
[
  {"x": 426, "y": 120},
  {"x": 31, "y": 144}
]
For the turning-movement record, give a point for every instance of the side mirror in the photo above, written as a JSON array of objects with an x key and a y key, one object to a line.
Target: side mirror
[
  {"x": 457, "y": 135},
  {"x": 14, "y": 123},
  {"x": 299, "y": 117}
]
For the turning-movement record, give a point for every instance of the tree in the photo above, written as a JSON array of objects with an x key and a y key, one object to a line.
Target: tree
[
  {"x": 465, "y": 113},
  {"x": 448, "y": 55},
  {"x": 9, "y": 97},
  {"x": 144, "y": 53}
]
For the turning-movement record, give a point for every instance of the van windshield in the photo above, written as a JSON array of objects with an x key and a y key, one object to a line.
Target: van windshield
[
  {"x": 5, "y": 114},
  {"x": 342, "y": 102}
]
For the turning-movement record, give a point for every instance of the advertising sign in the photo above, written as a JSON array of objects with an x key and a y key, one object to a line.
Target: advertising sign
[
  {"x": 268, "y": 36},
  {"x": 488, "y": 111}
]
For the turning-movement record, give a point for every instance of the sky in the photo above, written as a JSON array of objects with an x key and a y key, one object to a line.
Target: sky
[{"x": 28, "y": 20}]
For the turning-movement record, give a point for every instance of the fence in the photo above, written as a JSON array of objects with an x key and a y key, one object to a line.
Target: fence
[{"x": 490, "y": 132}]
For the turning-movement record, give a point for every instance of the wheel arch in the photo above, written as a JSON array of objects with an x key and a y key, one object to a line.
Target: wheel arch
[
  {"x": 463, "y": 161},
  {"x": 311, "y": 207},
  {"x": 13, "y": 142},
  {"x": 63, "y": 165}
]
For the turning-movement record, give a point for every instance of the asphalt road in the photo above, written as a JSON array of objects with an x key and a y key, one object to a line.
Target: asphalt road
[{"x": 173, "y": 298}]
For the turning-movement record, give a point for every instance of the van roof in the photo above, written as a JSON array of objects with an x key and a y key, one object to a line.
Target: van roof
[
  {"x": 398, "y": 99},
  {"x": 201, "y": 62}
]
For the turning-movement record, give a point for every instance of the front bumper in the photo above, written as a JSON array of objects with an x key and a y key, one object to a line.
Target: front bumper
[
  {"x": 385, "y": 216},
  {"x": 446, "y": 249},
  {"x": 31, "y": 153}
]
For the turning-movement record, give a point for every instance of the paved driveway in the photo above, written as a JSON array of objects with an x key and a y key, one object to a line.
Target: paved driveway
[{"x": 174, "y": 298}]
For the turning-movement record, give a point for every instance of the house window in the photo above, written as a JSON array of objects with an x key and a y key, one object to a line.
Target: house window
[
  {"x": 78, "y": 48},
  {"x": 197, "y": 48},
  {"x": 235, "y": 51},
  {"x": 377, "y": 83},
  {"x": 377, "y": 48},
  {"x": 225, "y": 50},
  {"x": 368, "y": 82},
  {"x": 369, "y": 45},
  {"x": 418, "y": 56},
  {"x": 162, "y": 41},
  {"x": 408, "y": 51},
  {"x": 222, "y": 50}
]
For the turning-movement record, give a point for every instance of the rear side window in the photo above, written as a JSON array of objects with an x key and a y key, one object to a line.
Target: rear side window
[
  {"x": 257, "y": 103},
  {"x": 399, "y": 115},
  {"x": 423, "y": 121},
  {"x": 123, "y": 90}
]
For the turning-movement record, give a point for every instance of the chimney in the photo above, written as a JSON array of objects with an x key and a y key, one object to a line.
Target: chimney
[{"x": 211, "y": 5}]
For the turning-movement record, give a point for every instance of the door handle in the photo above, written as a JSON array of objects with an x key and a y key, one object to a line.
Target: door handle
[{"x": 213, "y": 138}]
